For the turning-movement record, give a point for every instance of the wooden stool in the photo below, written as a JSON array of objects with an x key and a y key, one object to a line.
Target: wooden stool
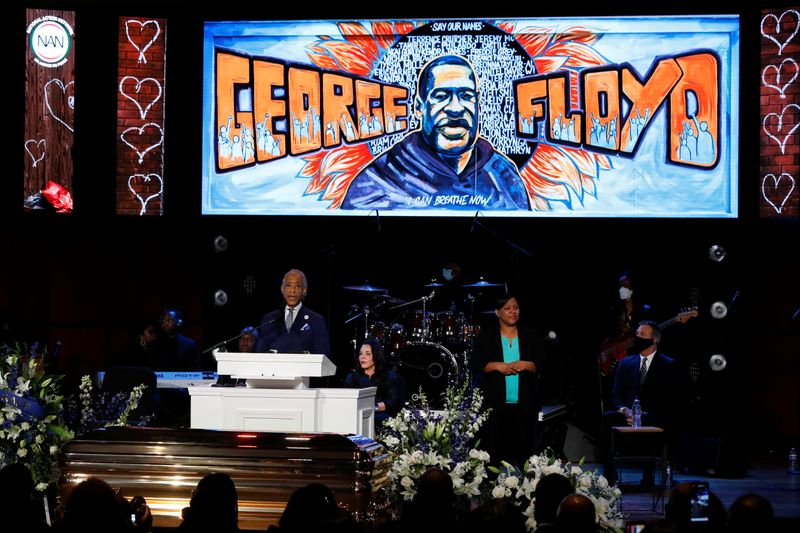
[{"x": 658, "y": 458}]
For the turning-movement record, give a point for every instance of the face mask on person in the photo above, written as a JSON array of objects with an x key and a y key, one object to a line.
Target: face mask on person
[
  {"x": 448, "y": 274},
  {"x": 625, "y": 293},
  {"x": 640, "y": 344}
]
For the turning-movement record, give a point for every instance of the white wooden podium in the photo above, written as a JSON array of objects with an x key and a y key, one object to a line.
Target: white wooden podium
[{"x": 277, "y": 397}]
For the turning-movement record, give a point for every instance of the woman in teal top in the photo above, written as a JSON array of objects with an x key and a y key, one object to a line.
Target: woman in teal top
[{"x": 507, "y": 361}]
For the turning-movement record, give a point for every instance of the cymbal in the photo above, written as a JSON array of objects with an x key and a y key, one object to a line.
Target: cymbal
[
  {"x": 365, "y": 288},
  {"x": 483, "y": 283},
  {"x": 434, "y": 284},
  {"x": 391, "y": 300}
]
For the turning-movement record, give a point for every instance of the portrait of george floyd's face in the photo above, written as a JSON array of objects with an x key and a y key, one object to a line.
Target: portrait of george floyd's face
[{"x": 448, "y": 109}]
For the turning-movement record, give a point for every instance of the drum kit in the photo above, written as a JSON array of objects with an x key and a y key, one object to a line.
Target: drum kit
[{"x": 430, "y": 349}]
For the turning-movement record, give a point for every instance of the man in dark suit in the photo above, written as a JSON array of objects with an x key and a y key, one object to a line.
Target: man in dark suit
[
  {"x": 649, "y": 376},
  {"x": 172, "y": 350},
  {"x": 294, "y": 328}
]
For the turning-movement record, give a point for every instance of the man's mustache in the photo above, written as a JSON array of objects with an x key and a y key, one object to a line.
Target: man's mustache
[{"x": 454, "y": 123}]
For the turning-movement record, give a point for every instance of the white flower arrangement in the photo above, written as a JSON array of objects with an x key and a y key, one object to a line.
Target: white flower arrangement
[
  {"x": 31, "y": 414},
  {"x": 521, "y": 487},
  {"x": 36, "y": 420},
  {"x": 90, "y": 411},
  {"x": 419, "y": 438}
]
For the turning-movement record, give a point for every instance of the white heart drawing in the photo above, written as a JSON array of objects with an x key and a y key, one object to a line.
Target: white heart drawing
[
  {"x": 139, "y": 83},
  {"x": 140, "y": 130},
  {"x": 38, "y": 144},
  {"x": 70, "y": 99},
  {"x": 142, "y": 58},
  {"x": 145, "y": 178},
  {"x": 781, "y": 88},
  {"x": 781, "y": 143},
  {"x": 775, "y": 182},
  {"x": 778, "y": 28}
]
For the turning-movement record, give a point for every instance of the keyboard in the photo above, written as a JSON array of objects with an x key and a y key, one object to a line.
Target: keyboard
[
  {"x": 550, "y": 412},
  {"x": 181, "y": 380}
]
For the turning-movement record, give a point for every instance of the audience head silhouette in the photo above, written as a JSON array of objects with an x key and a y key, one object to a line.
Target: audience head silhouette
[
  {"x": 576, "y": 514},
  {"x": 498, "y": 515},
  {"x": 93, "y": 506},
  {"x": 17, "y": 504},
  {"x": 214, "y": 505},
  {"x": 550, "y": 490},
  {"x": 314, "y": 508},
  {"x": 679, "y": 510},
  {"x": 433, "y": 505},
  {"x": 750, "y": 512}
]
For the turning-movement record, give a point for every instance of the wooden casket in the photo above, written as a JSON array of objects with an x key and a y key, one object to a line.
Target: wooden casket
[{"x": 165, "y": 465}]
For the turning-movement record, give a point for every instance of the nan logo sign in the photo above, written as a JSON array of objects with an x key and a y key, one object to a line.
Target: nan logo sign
[{"x": 50, "y": 40}]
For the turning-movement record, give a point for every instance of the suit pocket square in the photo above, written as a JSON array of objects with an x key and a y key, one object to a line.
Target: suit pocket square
[{"x": 306, "y": 327}]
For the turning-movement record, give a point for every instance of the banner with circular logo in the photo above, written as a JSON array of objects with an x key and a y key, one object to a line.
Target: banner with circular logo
[{"x": 50, "y": 40}]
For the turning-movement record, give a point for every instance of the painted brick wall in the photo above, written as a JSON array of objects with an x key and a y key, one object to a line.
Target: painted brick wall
[
  {"x": 779, "y": 113},
  {"x": 49, "y": 103},
  {"x": 140, "y": 116}
]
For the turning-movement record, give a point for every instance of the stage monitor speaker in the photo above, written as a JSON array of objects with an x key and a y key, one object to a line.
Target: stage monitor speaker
[
  {"x": 698, "y": 454},
  {"x": 580, "y": 444},
  {"x": 711, "y": 455}
]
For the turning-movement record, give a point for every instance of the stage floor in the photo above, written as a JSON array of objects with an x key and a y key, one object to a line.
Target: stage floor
[{"x": 765, "y": 476}]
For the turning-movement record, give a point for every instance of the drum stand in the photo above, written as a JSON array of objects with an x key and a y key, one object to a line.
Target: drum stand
[
  {"x": 365, "y": 312},
  {"x": 425, "y": 320}
]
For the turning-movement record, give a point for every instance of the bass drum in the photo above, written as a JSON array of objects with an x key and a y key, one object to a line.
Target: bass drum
[{"x": 427, "y": 366}]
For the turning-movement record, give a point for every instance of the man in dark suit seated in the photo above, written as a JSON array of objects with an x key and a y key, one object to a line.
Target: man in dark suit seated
[
  {"x": 294, "y": 328},
  {"x": 649, "y": 376},
  {"x": 174, "y": 352}
]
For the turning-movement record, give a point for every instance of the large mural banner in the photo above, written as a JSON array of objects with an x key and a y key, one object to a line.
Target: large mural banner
[{"x": 601, "y": 117}]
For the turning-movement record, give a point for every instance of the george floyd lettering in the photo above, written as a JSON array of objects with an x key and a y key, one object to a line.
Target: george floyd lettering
[
  {"x": 297, "y": 109},
  {"x": 677, "y": 83},
  {"x": 288, "y": 110}
]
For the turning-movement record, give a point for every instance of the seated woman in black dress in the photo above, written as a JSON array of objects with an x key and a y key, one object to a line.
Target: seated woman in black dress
[{"x": 373, "y": 372}]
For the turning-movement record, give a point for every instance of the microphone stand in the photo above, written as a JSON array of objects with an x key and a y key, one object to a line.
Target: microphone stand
[
  {"x": 422, "y": 299},
  {"x": 517, "y": 248},
  {"x": 222, "y": 344}
]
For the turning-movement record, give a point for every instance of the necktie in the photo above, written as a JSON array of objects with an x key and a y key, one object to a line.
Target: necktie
[
  {"x": 643, "y": 372},
  {"x": 289, "y": 318}
]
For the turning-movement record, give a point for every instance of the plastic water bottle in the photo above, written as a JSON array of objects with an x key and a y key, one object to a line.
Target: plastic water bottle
[
  {"x": 668, "y": 481},
  {"x": 637, "y": 414},
  {"x": 793, "y": 462}
]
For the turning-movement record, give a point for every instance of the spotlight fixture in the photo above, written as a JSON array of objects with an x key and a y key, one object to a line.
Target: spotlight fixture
[
  {"x": 220, "y": 243},
  {"x": 717, "y": 253},
  {"x": 717, "y": 362},
  {"x": 220, "y": 298},
  {"x": 719, "y": 310}
]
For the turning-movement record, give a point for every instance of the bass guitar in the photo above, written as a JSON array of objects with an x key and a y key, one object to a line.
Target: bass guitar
[{"x": 613, "y": 350}]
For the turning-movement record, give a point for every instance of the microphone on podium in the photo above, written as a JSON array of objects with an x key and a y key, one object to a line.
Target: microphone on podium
[{"x": 245, "y": 331}]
